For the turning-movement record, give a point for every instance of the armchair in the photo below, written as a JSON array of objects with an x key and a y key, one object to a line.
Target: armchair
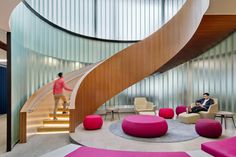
[
  {"x": 213, "y": 109},
  {"x": 142, "y": 105}
]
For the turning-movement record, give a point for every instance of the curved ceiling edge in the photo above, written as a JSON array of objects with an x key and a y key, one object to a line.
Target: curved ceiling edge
[
  {"x": 70, "y": 32},
  {"x": 6, "y": 9}
]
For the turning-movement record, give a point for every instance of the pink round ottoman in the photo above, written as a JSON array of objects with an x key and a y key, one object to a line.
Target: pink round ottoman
[
  {"x": 144, "y": 126},
  {"x": 167, "y": 113},
  {"x": 180, "y": 109},
  {"x": 208, "y": 128},
  {"x": 92, "y": 122}
]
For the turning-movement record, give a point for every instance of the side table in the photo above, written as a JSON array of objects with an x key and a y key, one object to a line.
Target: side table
[
  {"x": 112, "y": 110},
  {"x": 224, "y": 115}
]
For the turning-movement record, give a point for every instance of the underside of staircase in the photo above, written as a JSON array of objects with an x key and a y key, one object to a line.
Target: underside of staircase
[{"x": 187, "y": 35}]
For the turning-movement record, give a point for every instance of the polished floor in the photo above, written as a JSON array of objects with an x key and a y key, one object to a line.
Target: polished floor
[
  {"x": 47, "y": 144},
  {"x": 3, "y": 133},
  {"x": 103, "y": 138},
  {"x": 38, "y": 145}
]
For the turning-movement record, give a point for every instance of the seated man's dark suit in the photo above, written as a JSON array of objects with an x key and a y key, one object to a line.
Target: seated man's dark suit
[{"x": 197, "y": 109}]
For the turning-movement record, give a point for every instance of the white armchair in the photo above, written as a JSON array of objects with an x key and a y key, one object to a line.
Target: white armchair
[{"x": 142, "y": 105}]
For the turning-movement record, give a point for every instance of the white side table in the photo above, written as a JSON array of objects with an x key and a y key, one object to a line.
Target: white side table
[{"x": 112, "y": 110}]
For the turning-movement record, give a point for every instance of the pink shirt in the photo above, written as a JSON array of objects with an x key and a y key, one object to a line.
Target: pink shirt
[{"x": 58, "y": 86}]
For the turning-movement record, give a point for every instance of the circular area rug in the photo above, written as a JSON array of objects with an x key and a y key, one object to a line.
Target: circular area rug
[{"x": 177, "y": 132}]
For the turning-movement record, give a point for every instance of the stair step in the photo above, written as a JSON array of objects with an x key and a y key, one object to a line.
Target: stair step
[
  {"x": 51, "y": 115},
  {"x": 49, "y": 121},
  {"x": 61, "y": 109},
  {"x": 52, "y": 129}
]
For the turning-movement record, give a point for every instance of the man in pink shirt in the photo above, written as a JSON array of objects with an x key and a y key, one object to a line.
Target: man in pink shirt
[{"x": 58, "y": 86}]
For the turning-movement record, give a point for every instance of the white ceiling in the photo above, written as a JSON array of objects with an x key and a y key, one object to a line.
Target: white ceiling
[
  {"x": 6, "y": 8},
  {"x": 222, "y": 7}
]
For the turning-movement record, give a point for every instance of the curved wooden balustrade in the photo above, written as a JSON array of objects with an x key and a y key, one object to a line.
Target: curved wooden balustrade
[
  {"x": 137, "y": 61},
  {"x": 37, "y": 107}
]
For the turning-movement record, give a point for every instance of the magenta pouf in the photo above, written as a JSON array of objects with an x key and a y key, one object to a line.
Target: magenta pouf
[
  {"x": 221, "y": 148},
  {"x": 92, "y": 122},
  {"x": 144, "y": 126},
  {"x": 180, "y": 109},
  {"x": 97, "y": 152},
  {"x": 208, "y": 128},
  {"x": 167, "y": 113}
]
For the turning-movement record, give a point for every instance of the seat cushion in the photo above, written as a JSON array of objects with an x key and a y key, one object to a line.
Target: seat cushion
[
  {"x": 167, "y": 113},
  {"x": 95, "y": 152},
  {"x": 190, "y": 118},
  {"x": 222, "y": 148},
  {"x": 144, "y": 126},
  {"x": 180, "y": 109},
  {"x": 92, "y": 122},
  {"x": 208, "y": 128}
]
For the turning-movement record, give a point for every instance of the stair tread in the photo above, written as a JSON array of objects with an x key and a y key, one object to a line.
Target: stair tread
[
  {"x": 61, "y": 109},
  {"x": 51, "y": 121},
  {"x": 58, "y": 115},
  {"x": 52, "y": 129}
]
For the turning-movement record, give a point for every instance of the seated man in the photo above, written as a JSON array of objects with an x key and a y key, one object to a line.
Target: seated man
[{"x": 202, "y": 104}]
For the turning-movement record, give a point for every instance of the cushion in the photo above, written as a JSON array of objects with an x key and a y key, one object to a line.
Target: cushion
[
  {"x": 222, "y": 148},
  {"x": 208, "y": 128},
  {"x": 190, "y": 118},
  {"x": 167, "y": 113},
  {"x": 95, "y": 152},
  {"x": 92, "y": 122}
]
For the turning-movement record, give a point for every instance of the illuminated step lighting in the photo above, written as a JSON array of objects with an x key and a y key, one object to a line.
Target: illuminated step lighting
[
  {"x": 60, "y": 112},
  {"x": 60, "y": 118},
  {"x": 56, "y": 125},
  {"x": 55, "y": 132}
]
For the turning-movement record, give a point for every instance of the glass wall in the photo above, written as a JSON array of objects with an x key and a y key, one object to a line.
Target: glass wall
[
  {"x": 40, "y": 51},
  {"x": 213, "y": 72},
  {"x": 108, "y": 19}
]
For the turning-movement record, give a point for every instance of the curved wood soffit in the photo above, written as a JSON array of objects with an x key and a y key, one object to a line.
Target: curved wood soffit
[{"x": 137, "y": 61}]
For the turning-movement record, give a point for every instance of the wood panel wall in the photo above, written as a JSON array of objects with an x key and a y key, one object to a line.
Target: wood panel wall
[{"x": 137, "y": 61}]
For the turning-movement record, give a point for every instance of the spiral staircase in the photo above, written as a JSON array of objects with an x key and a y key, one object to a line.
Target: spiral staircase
[{"x": 187, "y": 35}]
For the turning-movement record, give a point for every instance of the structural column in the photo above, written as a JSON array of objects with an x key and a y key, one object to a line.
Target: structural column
[{"x": 9, "y": 144}]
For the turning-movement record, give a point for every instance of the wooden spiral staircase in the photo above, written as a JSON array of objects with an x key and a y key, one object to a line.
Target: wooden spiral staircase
[
  {"x": 187, "y": 35},
  {"x": 36, "y": 115},
  {"x": 59, "y": 125}
]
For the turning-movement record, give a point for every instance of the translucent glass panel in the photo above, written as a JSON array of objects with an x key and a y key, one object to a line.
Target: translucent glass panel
[
  {"x": 109, "y": 19},
  {"x": 39, "y": 52},
  {"x": 128, "y": 19},
  {"x": 47, "y": 40},
  {"x": 213, "y": 72}
]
